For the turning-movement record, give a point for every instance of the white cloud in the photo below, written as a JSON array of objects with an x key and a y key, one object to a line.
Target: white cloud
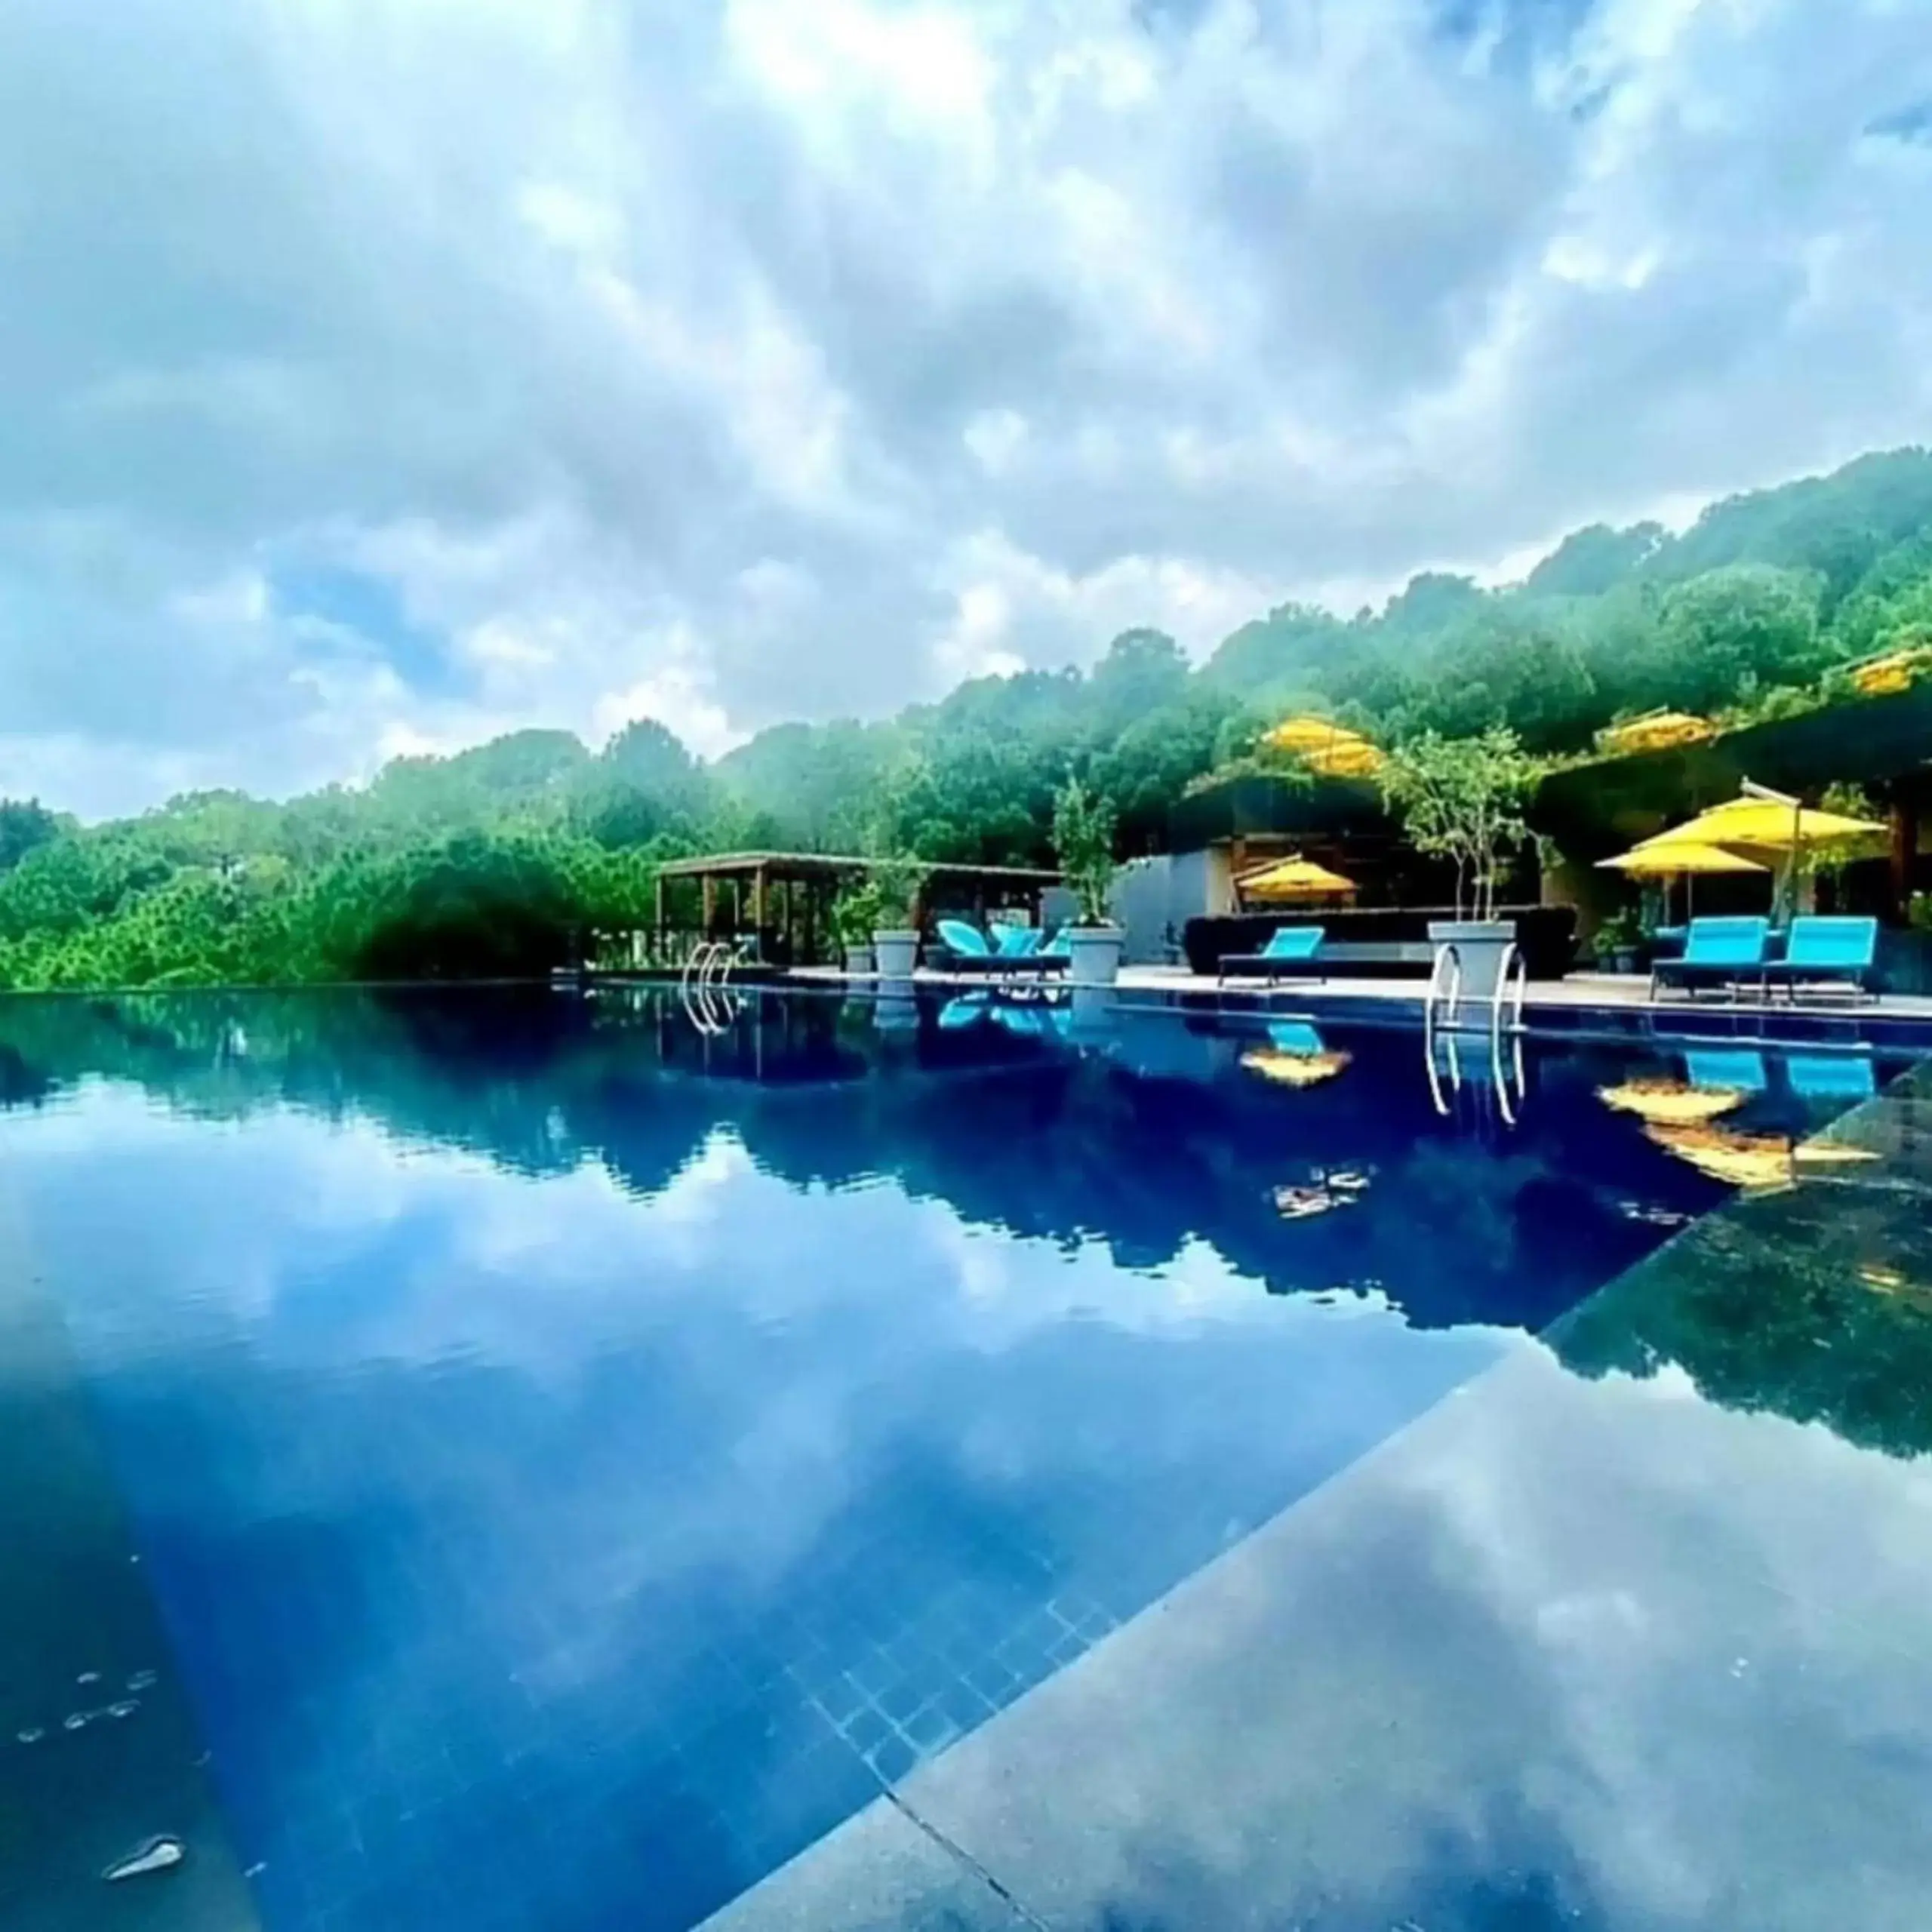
[{"x": 751, "y": 360}]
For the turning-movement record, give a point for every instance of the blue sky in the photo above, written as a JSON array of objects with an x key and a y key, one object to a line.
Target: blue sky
[{"x": 380, "y": 377}]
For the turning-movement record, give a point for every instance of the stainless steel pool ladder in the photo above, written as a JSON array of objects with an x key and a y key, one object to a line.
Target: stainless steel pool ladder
[
  {"x": 1442, "y": 1008},
  {"x": 704, "y": 985}
]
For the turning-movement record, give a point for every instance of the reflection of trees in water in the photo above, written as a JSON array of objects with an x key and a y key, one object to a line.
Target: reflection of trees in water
[
  {"x": 1815, "y": 1304},
  {"x": 1154, "y": 1138}
]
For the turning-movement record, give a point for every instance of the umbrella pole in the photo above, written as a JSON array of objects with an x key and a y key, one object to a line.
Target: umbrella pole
[{"x": 1790, "y": 864}]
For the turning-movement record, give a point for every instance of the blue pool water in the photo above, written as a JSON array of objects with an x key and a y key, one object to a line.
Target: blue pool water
[{"x": 577, "y": 1460}]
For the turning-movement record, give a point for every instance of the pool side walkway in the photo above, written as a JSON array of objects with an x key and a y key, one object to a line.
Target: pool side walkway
[
  {"x": 1628, "y": 1633},
  {"x": 1562, "y": 1001}
]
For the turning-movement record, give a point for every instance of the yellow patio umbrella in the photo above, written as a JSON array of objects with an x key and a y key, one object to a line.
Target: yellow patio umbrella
[
  {"x": 1758, "y": 1163},
  {"x": 1325, "y": 746},
  {"x": 1658, "y": 731},
  {"x": 1771, "y": 824},
  {"x": 1684, "y": 858},
  {"x": 1296, "y": 1056},
  {"x": 1294, "y": 1069},
  {"x": 1678, "y": 859},
  {"x": 1294, "y": 878},
  {"x": 1309, "y": 733},
  {"x": 1667, "y": 1102},
  {"x": 1893, "y": 671}
]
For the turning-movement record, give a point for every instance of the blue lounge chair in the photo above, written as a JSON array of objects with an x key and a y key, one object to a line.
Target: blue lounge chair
[
  {"x": 1826, "y": 954},
  {"x": 1841, "y": 1076},
  {"x": 1727, "y": 954},
  {"x": 1295, "y": 1036},
  {"x": 1726, "y": 1069},
  {"x": 1017, "y": 942},
  {"x": 1289, "y": 955},
  {"x": 967, "y": 950}
]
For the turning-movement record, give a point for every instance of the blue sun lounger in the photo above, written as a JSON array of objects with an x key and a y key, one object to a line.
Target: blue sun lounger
[
  {"x": 1726, "y": 1069},
  {"x": 1725, "y": 954},
  {"x": 1838, "y": 1076},
  {"x": 1826, "y": 954},
  {"x": 1019, "y": 956},
  {"x": 1289, "y": 955}
]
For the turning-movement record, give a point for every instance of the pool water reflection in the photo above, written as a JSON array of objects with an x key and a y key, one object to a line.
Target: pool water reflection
[{"x": 578, "y": 1460}]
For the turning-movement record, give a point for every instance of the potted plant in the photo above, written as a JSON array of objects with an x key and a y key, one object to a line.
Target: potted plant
[
  {"x": 1616, "y": 942},
  {"x": 895, "y": 882},
  {"x": 854, "y": 913},
  {"x": 1462, "y": 799},
  {"x": 1084, "y": 838}
]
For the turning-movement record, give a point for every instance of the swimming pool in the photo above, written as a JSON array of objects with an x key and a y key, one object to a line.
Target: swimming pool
[{"x": 572, "y": 1460}]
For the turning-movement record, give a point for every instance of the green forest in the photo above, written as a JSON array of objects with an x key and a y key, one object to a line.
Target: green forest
[{"x": 491, "y": 861}]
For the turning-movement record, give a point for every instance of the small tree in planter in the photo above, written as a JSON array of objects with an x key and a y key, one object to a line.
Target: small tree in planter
[
  {"x": 1463, "y": 799},
  {"x": 1084, "y": 838},
  {"x": 855, "y": 912},
  {"x": 895, "y": 883}
]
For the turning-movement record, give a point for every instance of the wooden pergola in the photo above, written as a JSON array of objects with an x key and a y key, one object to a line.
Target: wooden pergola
[{"x": 785, "y": 897}]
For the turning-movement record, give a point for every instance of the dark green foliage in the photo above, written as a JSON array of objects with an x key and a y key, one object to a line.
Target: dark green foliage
[
  {"x": 1589, "y": 562},
  {"x": 24, "y": 823},
  {"x": 1083, "y": 831},
  {"x": 493, "y": 861}
]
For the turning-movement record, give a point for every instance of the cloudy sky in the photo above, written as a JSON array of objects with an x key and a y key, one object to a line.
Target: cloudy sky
[{"x": 379, "y": 374}]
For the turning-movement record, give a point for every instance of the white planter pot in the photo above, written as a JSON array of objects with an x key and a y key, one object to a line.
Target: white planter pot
[
  {"x": 1093, "y": 955},
  {"x": 897, "y": 1011},
  {"x": 897, "y": 953},
  {"x": 1090, "y": 1018},
  {"x": 858, "y": 961},
  {"x": 1481, "y": 944}
]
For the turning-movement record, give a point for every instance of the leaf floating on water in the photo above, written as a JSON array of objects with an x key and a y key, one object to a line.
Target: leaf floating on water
[
  {"x": 1297, "y": 1203},
  {"x": 32, "y": 1735},
  {"x": 76, "y": 1720},
  {"x": 157, "y": 1854},
  {"x": 125, "y": 1708},
  {"x": 1654, "y": 1216},
  {"x": 143, "y": 1680}
]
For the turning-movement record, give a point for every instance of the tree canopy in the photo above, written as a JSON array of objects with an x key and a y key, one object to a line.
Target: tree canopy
[{"x": 490, "y": 860}]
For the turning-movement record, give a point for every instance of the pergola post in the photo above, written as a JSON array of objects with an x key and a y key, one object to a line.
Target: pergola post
[
  {"x": 709, "y": 893},
  {"x": 657, "y": 895}
]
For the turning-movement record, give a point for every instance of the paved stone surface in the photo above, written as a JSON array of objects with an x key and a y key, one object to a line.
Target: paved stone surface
[{"x": 879, "y": 1872}]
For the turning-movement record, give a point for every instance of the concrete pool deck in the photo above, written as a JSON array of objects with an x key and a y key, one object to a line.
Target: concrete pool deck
[
  {"x": 1629, "y": 1633},
  {"x": 1625, "y": 994}
]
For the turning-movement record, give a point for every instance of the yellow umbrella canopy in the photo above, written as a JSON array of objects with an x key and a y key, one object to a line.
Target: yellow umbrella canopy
[
  {"x": 1666, "y": 858},
  {"x": 1324, "y": 746},
  {"x": 1768, "y": 825},
  {"x": 1294, "y": 878},
  {"x": 1310, "y": 734},
  {"x": 1657, "y": 732},
  {"x": 1293, "y": 1070},
  {"x": 1666, "y": 1102},
  {"x": 1759, "y": 1163}
]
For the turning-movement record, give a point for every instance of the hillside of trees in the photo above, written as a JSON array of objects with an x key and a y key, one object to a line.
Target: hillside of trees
[{"x": 486, "y": 862}]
